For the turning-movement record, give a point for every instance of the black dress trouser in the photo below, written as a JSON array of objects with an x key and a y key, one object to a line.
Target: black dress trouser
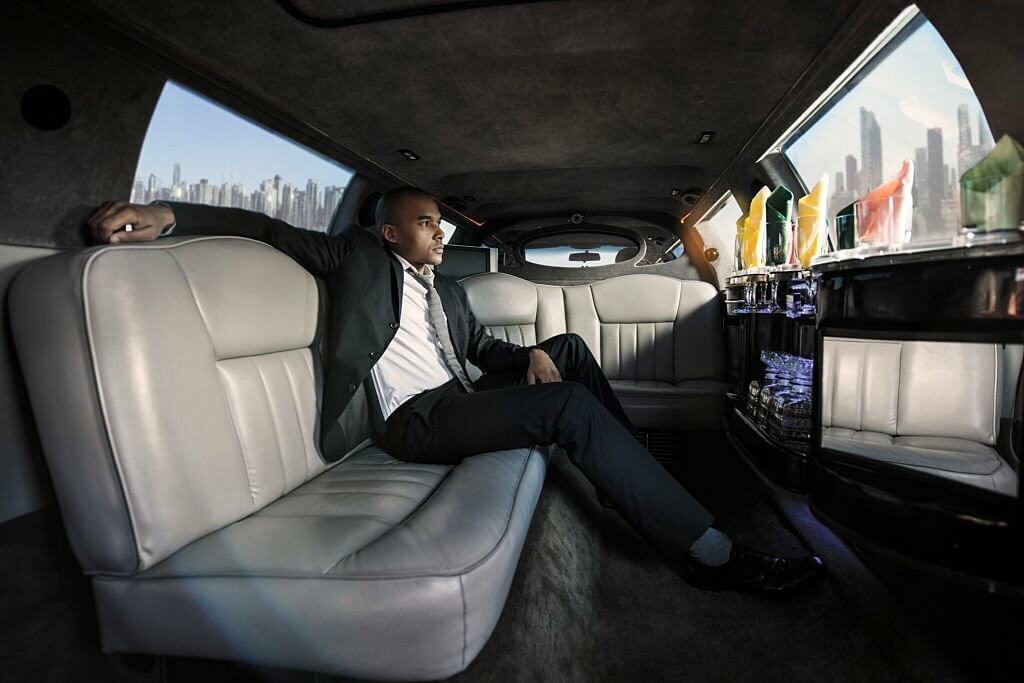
[{"x": 581, "y": 414}]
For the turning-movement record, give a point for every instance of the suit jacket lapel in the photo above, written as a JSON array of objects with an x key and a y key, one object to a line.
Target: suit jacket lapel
[{"x": 397, "y": 283}]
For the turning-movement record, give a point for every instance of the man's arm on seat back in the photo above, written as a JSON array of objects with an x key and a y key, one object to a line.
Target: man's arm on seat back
[{"x": 316, "y": 252}]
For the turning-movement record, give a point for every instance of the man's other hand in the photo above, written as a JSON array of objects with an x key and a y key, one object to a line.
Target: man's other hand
[
  {"x": 542, "y": 369},
  {"x": 109, "y": 223}
]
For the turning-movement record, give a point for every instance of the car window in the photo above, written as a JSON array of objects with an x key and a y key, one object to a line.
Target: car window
[
  {"x": 912, "y": 101},
  {"x": 198, "y": 151},
  {"x": 449, "y": 230},
  {"x": 580, "y": 249},
  {"x": 718, "y": 231}
]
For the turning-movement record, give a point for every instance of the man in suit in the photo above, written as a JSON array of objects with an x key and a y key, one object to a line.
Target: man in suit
[{"x": 404, "y": 333}]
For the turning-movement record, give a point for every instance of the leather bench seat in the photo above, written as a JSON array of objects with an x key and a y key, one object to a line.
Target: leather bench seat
[
  {"x": 176, "y": 387},
  {"x": 658, "y": 339},
  {"x": 928, "y": 406}
]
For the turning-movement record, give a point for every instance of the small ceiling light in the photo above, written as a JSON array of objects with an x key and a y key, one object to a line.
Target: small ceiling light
[
  {"x": 705, "y": 137},
  {"x": 409, "y": 154},
  {"x": 676, "y": 192}
]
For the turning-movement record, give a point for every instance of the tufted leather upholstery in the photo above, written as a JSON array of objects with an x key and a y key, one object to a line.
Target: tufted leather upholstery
[
  {"x": 177, "y": 397},
  {"x": 658, "y": 339},
  {"x": 925, "y": 405}
]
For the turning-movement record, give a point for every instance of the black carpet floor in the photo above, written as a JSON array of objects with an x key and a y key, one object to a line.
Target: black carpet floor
[{"x": 592, "y": 602}]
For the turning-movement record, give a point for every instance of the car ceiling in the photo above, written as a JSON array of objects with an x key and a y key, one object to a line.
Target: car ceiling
[
  {"x": 528, "y": 108},
  {"x": 540, "y": 108}
]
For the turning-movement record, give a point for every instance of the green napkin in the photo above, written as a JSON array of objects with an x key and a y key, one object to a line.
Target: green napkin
[
  {"x": 992, "y": 192},
  {"x": 779, "y": 206},
  {"x": 777, "y": 210}
]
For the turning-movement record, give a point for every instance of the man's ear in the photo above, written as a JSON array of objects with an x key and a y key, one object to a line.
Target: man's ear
[{"x": 387, "y": 233}]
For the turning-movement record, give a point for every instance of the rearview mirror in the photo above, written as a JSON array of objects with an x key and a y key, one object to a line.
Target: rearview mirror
[{"x": 584, "y": 256}]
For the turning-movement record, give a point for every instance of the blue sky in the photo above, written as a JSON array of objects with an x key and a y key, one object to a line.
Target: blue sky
[
  {"x": 212, "y": 142},
  {"x": 916, "y": 87}
]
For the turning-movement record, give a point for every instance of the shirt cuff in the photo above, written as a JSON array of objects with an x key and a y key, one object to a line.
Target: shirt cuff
[{"x": 170, "y": 228}]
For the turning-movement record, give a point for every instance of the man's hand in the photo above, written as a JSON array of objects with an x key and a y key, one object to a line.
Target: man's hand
[
  {"x": 542, "y": 369},
  {"x": 109, "y": 223}
]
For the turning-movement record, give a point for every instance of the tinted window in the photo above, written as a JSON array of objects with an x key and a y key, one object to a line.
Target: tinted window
[
  {"x": 911, "y": 101},
  {"x": 197, "y": 151},
  {"x": 580, "y": 250}
]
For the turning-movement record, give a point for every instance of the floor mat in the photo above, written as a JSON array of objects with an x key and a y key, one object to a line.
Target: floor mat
[{"x": 592, "y": 602}]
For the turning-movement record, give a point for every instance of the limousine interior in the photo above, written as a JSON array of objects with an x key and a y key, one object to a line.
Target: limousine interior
[{"x": 165, "y": 511}]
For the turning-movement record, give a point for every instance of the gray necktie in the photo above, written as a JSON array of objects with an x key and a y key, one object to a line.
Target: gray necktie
[{"x": 437, "y": 321}]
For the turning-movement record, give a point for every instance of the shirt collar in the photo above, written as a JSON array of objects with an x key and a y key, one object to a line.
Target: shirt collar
[{"x": 406, "y": 266}]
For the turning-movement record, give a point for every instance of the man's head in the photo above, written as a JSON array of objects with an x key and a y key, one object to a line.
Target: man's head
[{"x": 409, "y": 223}]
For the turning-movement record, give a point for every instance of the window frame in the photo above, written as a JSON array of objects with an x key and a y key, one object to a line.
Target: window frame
[{"x": 551, "y": 231}]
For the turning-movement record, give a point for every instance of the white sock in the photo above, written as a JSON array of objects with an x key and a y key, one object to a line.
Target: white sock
[{"x": 713, "y": 548}]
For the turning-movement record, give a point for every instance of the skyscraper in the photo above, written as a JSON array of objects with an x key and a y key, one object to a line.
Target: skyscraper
[
  {"x": 852, "y": 177},
  {"x": 177, "y": 175},
  {"x": 870, "y": 151},
  {"x": 936, "y": 180},
  {"x": 921, "y": 173},
  {"x": 985, "y": 140},
  {"x": 963, "y": 123}
]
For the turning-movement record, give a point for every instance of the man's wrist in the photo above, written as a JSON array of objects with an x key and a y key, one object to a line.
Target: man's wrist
[{"x": 167, "y": 219}]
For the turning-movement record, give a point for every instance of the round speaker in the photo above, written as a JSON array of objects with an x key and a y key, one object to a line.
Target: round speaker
[{"x": 45, "y": 107}]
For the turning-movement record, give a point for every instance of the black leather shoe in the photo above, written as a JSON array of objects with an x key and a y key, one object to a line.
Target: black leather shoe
[{"x": 750, "y": 571}]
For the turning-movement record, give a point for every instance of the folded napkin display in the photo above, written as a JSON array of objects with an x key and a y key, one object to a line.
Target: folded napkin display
[
  {"x": 754, "y": 231},
  {"x": 992, "y": 191},
  {"x": 885, "y": 215},
  {"x": 778, "y": 231},
  {"x": 812, "y": 224}
]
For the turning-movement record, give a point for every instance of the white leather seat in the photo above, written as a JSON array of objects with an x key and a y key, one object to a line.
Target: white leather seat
[
  {"x": 929, "y": 406},
  {"x": 177, "y": 398},
  {"x": 658, "y": 339}
]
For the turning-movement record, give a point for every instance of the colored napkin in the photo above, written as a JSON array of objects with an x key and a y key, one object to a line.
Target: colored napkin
[
  {"x": 992, "y": 192},
  {"x": 754, "y": 231},
  {"x": 885, "y": 214},
  {"x": 811, "y": 223},
  {"x": 778, "y": 233}
]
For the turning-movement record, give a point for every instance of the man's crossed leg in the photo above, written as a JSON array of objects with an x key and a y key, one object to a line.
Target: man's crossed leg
[{"x": 582, "y": 415}]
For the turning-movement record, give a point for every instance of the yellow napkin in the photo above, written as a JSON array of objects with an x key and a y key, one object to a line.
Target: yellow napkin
[
  {"x": 811, "y": 223},
  {"x": 754, "y": 231},
  {"x": 992, "y": 192},
  {"x": 741, "y": 226}
]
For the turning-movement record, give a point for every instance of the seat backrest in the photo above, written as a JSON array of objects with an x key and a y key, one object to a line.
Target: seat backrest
[
  {"x": 642, "y": 326},
  {"x": 173, "y": 385},
  {"x": 904, "y": 388}
]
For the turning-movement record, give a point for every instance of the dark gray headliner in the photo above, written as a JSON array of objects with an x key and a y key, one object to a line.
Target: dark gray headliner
[
  {"x": 545, "y": 106},
  {"x": 552, "y": 106}
]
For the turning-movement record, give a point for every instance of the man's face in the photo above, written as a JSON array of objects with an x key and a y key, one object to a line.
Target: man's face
[{"x": 415, "y": 232}]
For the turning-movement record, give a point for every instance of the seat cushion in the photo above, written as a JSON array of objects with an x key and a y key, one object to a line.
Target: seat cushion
[
  {"x": 689, "y": 404},
  {"x": 371, "y": 553},
  {"x": 931, "y": 452}
]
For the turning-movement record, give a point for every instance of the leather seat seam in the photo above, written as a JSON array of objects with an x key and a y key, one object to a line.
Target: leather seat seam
[
  {"x": 462, "y": 594},
  {"x": 277, "y": 432}
]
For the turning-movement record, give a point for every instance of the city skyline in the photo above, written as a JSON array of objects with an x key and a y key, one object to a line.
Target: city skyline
[
  {"x": 914, "y": 103},
  {"x": 310, "y": 208}
]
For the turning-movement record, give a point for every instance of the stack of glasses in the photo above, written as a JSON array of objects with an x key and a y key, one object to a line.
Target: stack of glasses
[{"x": 780, "y": 404}]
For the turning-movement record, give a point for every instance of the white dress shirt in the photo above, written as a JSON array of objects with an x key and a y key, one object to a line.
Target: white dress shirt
[{"x": 413, "y": 362}]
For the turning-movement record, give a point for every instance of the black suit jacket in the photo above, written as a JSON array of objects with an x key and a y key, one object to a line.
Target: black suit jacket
[{"x": 364, "y": 283}]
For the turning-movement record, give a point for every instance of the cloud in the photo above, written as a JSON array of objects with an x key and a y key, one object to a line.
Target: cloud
[
  {"x": 916, "y": 110},
  {"x": 955, "y": 76}
]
